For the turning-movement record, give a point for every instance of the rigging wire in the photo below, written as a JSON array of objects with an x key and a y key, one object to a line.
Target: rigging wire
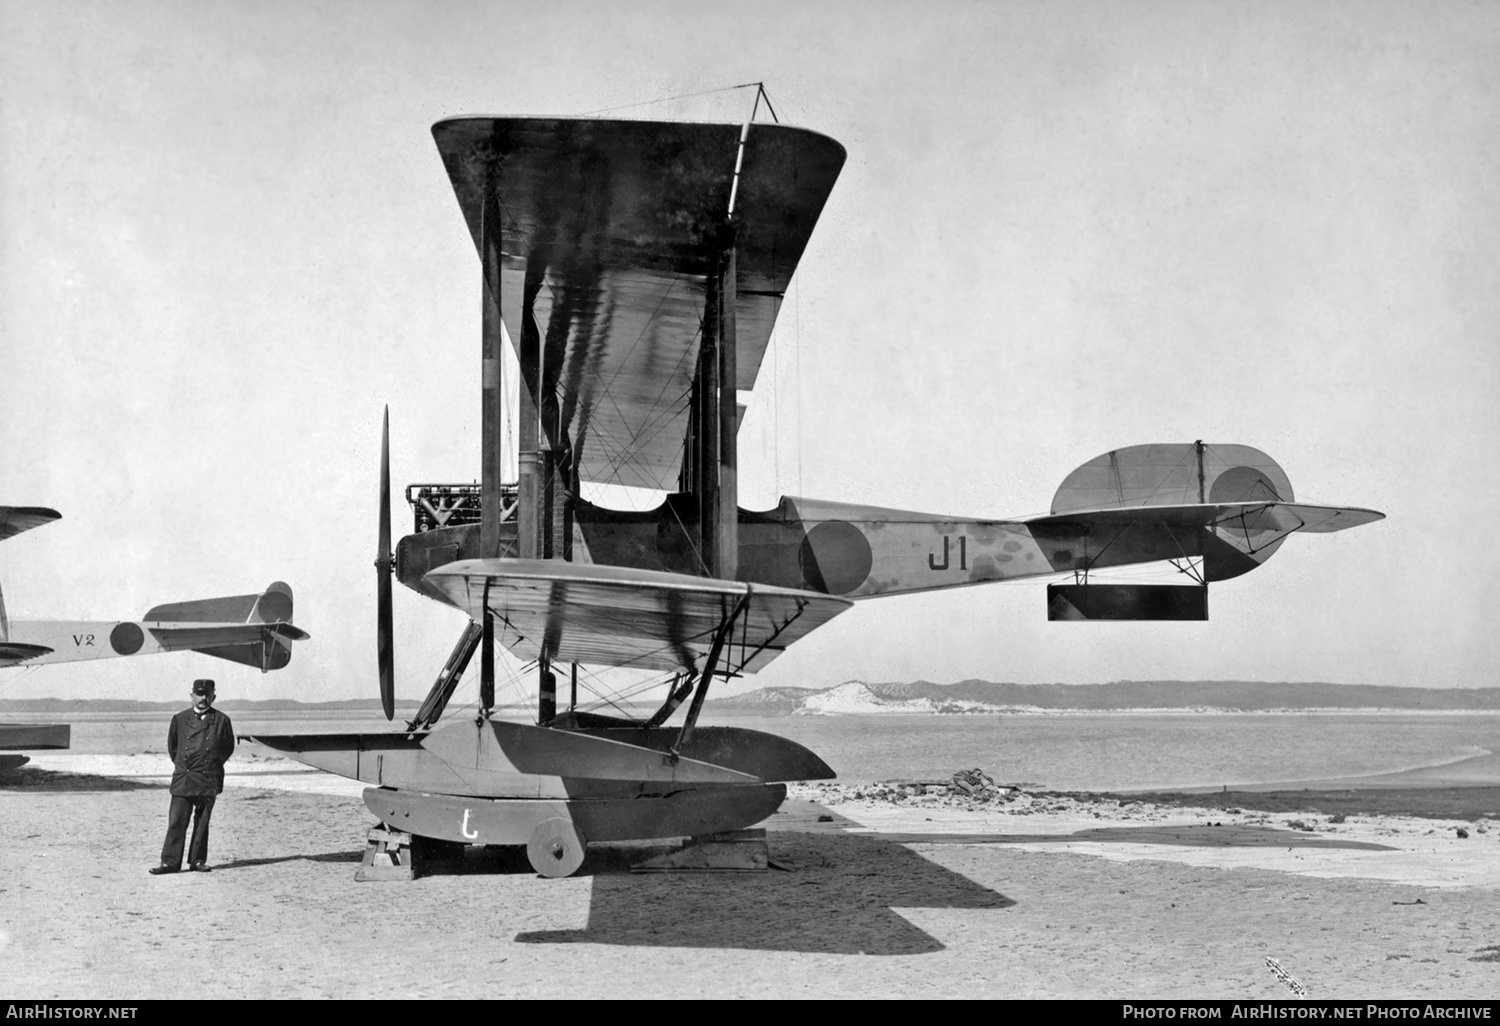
[
  {"x": 760, "y": 88},
  {"x": 616, "y": 697},
  {"x": 797, "y": 378},
  {"x": 776, "y": 412}
]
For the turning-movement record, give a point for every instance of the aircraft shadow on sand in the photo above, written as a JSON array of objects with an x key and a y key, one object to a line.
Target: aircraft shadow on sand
[
  {"x": 32, "y": 778},
  {"x": 854, "y": 882},
  {"x": 848, "y": 886},
  {"x": 1180, "y": 836},
  {"x": 829, "y": 893}
]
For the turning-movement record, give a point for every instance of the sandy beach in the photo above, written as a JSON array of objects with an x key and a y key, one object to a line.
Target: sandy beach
[{"x": 1388, "y": 891}]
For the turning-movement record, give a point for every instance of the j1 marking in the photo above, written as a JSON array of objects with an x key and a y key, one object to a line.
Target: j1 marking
[{"x": 963, "y": 555}]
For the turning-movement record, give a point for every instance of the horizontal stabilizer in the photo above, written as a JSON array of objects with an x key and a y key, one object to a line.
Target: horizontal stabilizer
[
  {"x": 621, "y": 616},
  {"x": 180, "y": 637},
  {"x": 1279, "y": 518},
  {"x": 15, "y": 519},
  {"x": 263, "y": 646},
  {"x": 1232, "y": 537}
]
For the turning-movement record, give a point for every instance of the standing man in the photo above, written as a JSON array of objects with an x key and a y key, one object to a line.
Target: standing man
[{"x": 199, "y": 740}]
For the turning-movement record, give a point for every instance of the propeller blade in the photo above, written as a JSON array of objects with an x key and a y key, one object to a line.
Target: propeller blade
[{"x": 384, "y": 634}]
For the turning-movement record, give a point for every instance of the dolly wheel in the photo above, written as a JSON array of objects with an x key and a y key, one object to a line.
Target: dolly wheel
[{"x": 556, "y": 847}]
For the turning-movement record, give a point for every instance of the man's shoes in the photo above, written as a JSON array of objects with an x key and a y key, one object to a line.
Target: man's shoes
[
  {"x": 163, "y": 868},
  {"x": 200, "y": 867}
]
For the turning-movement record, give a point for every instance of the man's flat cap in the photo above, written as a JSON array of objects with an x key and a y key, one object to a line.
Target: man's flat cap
[{"x": 203, "y": 687}]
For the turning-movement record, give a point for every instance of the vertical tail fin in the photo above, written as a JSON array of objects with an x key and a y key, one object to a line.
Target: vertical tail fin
[{"x": 218, "y": 627}]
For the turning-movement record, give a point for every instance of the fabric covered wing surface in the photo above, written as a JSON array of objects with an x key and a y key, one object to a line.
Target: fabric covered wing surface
[
  {"x": 608, "y": 231},
  {"x": 15, "y": 519},
  {"x": 618, "y": 616}
]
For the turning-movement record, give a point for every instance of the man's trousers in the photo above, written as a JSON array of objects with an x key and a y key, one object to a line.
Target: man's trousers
[{"x": 201, "y": 809}]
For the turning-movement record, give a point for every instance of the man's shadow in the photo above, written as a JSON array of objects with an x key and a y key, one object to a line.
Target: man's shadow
[{"x": 331, "y": 856}]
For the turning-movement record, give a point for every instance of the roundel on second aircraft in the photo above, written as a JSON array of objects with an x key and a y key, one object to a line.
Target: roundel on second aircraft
[
  {"x": 275, "y": 606},
  {"x": 126, "y": 638}
]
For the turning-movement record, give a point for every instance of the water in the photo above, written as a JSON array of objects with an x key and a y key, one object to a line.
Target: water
[
  {"x": 1060, "y": 751},
  {"x": 1136, "y": 751}
]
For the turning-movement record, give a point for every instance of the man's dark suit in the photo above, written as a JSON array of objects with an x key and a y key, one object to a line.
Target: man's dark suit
[{"x": 198, "y": 744}]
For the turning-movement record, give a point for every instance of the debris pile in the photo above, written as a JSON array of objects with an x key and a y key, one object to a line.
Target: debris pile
[{"x": 969, "y": 788}]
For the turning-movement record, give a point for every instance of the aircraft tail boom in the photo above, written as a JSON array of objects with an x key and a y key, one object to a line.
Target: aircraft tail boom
[{"x": 254, "y": 630}]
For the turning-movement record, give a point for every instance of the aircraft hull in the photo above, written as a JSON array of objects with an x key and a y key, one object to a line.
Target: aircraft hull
[{"x": 472, "y": 820}]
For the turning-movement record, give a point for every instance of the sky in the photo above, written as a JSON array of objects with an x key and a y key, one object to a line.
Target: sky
[{"x": 227, "y": 242}]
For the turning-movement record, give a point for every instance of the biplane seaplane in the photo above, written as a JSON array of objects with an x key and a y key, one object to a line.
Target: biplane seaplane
[
  {"x": 255, "y": 630},
  {"x": 637, "y": 268}
]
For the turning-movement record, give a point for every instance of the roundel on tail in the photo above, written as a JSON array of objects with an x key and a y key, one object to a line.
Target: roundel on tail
[
  {"x": 126, "y": 638},
  {"x": 275, "y": 604},
  {"x": 1184, "y": 474},
  {"x": 1173, "y": 474},
  {"x": 1242, "y": 544}
]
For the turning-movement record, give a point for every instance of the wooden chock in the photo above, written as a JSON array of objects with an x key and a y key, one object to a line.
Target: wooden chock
[{"x": 389, "y": 855}]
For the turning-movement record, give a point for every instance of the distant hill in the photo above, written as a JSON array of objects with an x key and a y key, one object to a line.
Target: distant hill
[
  {"x": 981, "y": 696},
  {"x": 52, "y": 706},
  {"x": 856, "y": 697},
  {"x": 768, "y": 701}
]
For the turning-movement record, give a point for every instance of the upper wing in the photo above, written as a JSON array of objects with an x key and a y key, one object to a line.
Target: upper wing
[
  {"x": 1278, "y": 518},
  {"x": 608, "y": 231},
  {"x": 15, "y": 519},
  {"x": 620, "y": 616}
]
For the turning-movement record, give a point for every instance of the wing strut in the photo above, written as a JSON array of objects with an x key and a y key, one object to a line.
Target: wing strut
[
  {"x": 724, "y": 633},
  {"x": 487, "y": 659},
  {"x": 491, "y": 357},
  {"x": 448, "y": 678},
  {"x": 546, "y": 697},
  {"x": 682, "y": 686},
  {"x": 713, "y": 452}
]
